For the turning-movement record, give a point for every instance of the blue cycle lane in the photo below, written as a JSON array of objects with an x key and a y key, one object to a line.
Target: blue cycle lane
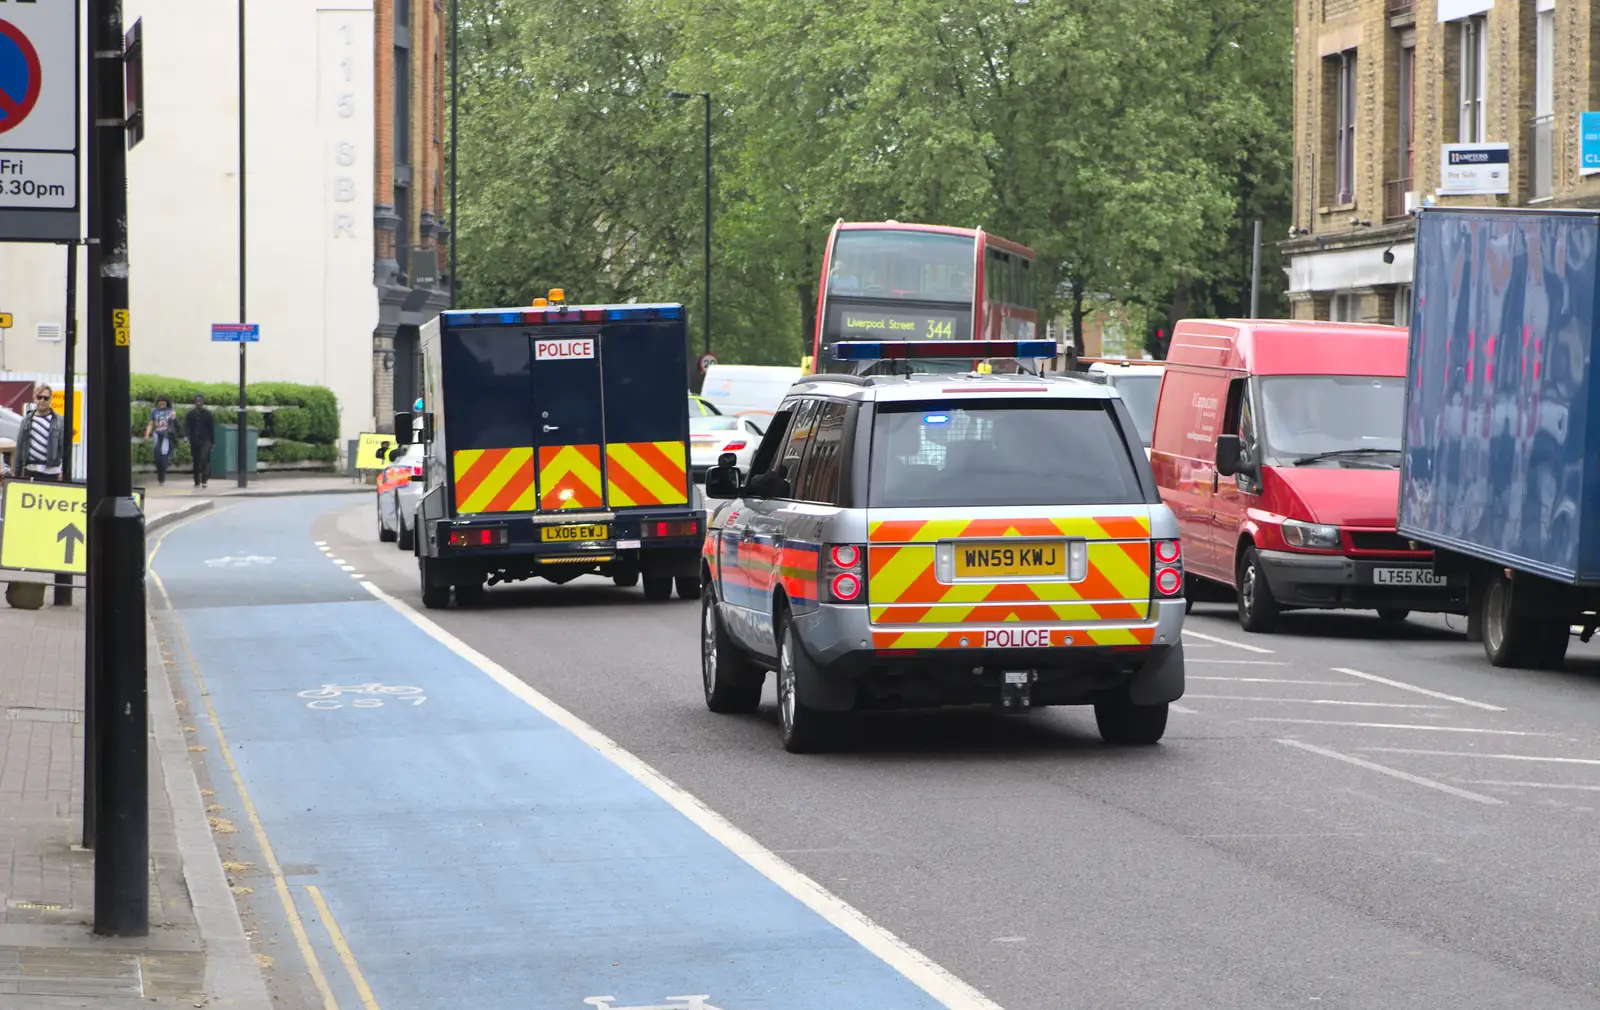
[{"x": 472, "y": 850}]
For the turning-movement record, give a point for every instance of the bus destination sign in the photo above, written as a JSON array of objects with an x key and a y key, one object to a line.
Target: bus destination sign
[{"x": 897, "y": 326}]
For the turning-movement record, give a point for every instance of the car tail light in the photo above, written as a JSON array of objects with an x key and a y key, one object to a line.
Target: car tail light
[
  {"x": 662, "y": 529},
  {"x": 843, "y": 572},
  {"x": 1166, "y": 575},
  {"x": 480, "y": 536},
  {"x": 733, "y": 446},
  {"x": 416, "y": 472}
]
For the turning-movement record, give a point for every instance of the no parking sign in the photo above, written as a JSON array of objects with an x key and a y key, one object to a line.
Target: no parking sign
[{"x": 39, "y": 121}]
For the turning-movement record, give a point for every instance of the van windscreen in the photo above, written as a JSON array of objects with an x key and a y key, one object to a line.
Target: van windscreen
[
  {"x": 1321, "y": 418},
  {"x": 1000, "y": 452}
]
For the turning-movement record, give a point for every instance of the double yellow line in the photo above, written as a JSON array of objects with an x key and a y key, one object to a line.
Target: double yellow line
[{"x": 280, "y": 884}]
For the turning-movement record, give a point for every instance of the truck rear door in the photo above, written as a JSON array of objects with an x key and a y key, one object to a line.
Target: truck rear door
[{"x": 643, "y": 384}]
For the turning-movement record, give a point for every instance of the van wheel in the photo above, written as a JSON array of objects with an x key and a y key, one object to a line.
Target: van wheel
[
  {"x": 1509, "y": 639},
  {"x": 688, "y": 587},
  {"x": 1554, "y": 639},
  {"x": 805, "y": 730},
  {"x": 1258, "y": 610},
  {"x": 1392, "y": 616},
  {"x": 658, "y": 588},
  {"x": 434, "y": 596},
  {"x": 732, "y": 684},
  {"x": 1124, "y": 724}
]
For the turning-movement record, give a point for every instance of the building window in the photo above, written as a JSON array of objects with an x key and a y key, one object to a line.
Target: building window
[
  {"x": 1394, "y": 197},
  {"x": 1542, "y": 181},
  {"x": 1346, "y": 308},
  {"x": 1474, "y": 79},
  {"x": 1345, "y": 128},
  {"x": 1402, "y": 305}
]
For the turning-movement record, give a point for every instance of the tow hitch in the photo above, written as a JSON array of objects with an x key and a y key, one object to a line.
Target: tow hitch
[{"x": 1016, "y": 696}]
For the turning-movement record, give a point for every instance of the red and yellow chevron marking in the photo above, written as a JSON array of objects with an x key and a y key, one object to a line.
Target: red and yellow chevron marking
[
  {"x": 493, "y": 480},
  {"x": 918, "y": 531},
  {"x": 1117, "y": 588},
  {"x": 974, "y": 639},
  {"x": 646, "y": 473},
  {"x": 569, "y": 477}
]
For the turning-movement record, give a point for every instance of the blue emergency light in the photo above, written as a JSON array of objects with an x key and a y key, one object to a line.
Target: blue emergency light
[
  {"x": 883, "y": 350},
  {"x": 557, "y": 314}
]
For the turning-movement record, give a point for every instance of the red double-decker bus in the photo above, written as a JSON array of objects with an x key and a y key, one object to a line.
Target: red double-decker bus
[{"x": 893, "y": 281}]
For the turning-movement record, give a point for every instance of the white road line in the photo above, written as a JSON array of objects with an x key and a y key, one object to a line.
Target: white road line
[
  {"x": 1278, "y": 680},
  {"x": 1394, "y": 725},
  {"x": 1373, "y": 766},
  {"x": 1184, "y": 709},
  {"x": 1308, "y": 701},
  {"x": 1491, "y": 757},
  {"x": 893, "y": 951},
  {"x": 1227, "y": 641},
  {"x": 1240, "y": 662},
  {"x": 348, "y": 568},
  {"x": 1402, "y": 685},
  {"x": 1534, "y": 785},
  {"x": 337, "y": 561},
  {"x": 357, "y": 575},
  {"x": 322, "y": 543}
]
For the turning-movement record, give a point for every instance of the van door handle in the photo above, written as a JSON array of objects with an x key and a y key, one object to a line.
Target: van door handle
[
  {"x": 552, "y": 427},
  {"x": 1215, "y": 478}
]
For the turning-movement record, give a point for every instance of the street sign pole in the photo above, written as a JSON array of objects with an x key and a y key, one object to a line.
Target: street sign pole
[
  {"x": 242, "y": 419},
  {"x": 122, "y": 856},
  {"x": 68, "y": 415}
]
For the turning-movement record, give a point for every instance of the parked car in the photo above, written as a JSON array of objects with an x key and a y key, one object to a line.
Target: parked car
[
  {"x": 1277, "y": 445},
  {"x": 710, "y": 437},
  {"x": 400, "y": 487}
]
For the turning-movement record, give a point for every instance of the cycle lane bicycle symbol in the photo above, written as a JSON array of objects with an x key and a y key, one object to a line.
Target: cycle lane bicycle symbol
[
  {"x": 372, "y": 695},
  {"x": 687, "y": 1003}
]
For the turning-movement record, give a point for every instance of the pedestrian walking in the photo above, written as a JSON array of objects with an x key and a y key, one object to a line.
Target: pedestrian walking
[
  {"x": 201, "y": 430},
  {"x": 41, "y": 439},
  {"x": 162, "y": 432}
]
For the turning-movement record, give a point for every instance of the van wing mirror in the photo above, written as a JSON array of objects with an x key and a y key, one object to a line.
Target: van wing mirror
[
  {"x": 1228, "y": 452},
  {"x": 402, "y": 427}
]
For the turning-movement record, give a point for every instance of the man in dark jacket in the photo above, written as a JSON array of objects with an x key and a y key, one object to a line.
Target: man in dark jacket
[
  {"x": 41, "y": 440},
  {"x": 201, "y": 430}
]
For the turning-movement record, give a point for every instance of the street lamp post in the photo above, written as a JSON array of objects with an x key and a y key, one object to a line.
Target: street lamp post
[
  {"x": 455, "y": 138},
  {"x": 683, "y": 96}
]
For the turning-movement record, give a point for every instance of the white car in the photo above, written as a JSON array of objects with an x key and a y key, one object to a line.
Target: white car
[
  {"x": 1139, "y": 385},
  {"x": 400, "y": 487},
  {"x": 710, "y": 437}
]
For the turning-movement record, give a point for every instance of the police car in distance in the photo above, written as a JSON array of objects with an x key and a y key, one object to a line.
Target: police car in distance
[
  {"x": 937, "y": 539},
  {"x": 400, "y": 486}
]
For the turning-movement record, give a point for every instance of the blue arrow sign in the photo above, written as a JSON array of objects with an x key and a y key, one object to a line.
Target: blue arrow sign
[{"x": 236, "y": 333}]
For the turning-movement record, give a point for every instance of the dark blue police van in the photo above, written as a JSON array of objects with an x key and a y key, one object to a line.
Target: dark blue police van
[{"x": 556, "y": 445}]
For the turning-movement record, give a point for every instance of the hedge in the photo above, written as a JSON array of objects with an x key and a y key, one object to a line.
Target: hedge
[{"x": 304, "y": 424}]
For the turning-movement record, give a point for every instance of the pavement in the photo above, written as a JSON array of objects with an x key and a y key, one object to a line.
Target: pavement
[
  {"x": 197, "y": 952},
  {"x": 527, "y": 806}
]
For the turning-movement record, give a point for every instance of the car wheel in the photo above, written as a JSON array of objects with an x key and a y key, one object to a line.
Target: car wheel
[
  {"x": 805, "y": 730},
  {"x": 1124, "y": 724},
  {"x": 1393, "y": 616},
  {"x": 1258, "y": 610},
  {"x": 385, "y": 534},
  {"x": 434, "y": 596},
  {"x": 732, "y": 684},
  {"x": 658, "y": 588},
  {"x": 407, "y": 538},
  {"x": 688, "y": 587},
  {"x": 627, "y": 581},
  {"x": 470, "y": 594}
]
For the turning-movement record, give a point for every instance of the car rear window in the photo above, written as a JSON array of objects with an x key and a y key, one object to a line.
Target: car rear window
[{"x": 1058, "y": 452}]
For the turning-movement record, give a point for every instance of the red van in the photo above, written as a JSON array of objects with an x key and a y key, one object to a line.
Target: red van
[{"x": 1277, "y": 444}]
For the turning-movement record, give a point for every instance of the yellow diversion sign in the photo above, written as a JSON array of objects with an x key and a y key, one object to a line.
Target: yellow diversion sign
[
  {"x": 44, "y": 527},
  {"x": 372, "y": 451}
]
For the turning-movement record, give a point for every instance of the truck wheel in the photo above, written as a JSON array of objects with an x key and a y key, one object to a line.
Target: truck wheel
[
  {"x": 658, "y": 588},
  {"x": 469, "y": 594},
  {"x": 732, "y": 683},
  {"x": 408, "y": 538},
  {"x": 1124, "y": 724},
  {"x": 1553, "y": 641},
  {"x": 1509, "y": 639},
  {"x": 1392, "y": 616},
  {"x": 805, "y": 730},
  {"x": 627, "y": 581},
  {"x": 1258, "y": 611},
  {"x": 434, "y": 596},
  {"x": 688, "y": 587}
]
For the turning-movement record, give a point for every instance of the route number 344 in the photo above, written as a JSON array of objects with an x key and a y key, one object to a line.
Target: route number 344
[{"x": 330, "y": 696}]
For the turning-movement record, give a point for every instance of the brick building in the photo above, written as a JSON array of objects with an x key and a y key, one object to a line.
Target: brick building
[
  {"x": 1387, "y": 92},
  {"x": 411, "y": 234}
]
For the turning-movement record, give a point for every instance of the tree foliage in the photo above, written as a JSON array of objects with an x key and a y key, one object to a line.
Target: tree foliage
[{"x": 1130, "y": 142}]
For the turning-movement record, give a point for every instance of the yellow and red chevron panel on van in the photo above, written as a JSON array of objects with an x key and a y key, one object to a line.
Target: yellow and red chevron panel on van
[
  {"x": 569, "y": 477},
  {"x": 903, "y": 589},
  {"x": 1009, "y": 638},
  {"x": 646, "y": 473},
  {"x": 917, "y": 531},
  {"x": 493, "y": 480}
]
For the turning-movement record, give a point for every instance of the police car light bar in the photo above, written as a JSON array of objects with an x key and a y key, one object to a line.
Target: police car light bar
[
  {"x": 882, "y": 350},
  {"x": 557, "y": 314}
]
